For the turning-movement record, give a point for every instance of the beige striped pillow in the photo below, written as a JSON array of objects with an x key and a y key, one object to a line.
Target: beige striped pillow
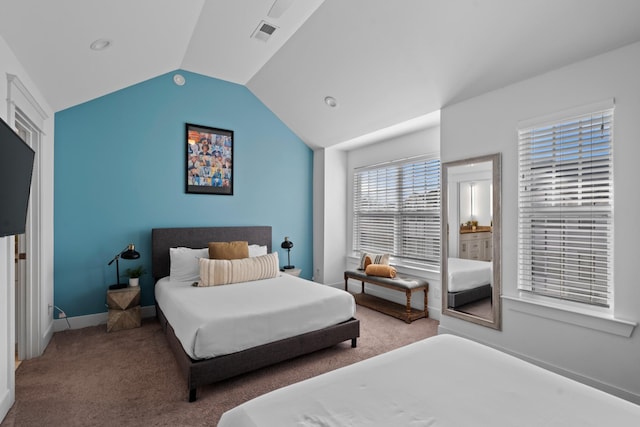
[
  {"x": 215, "y": 272},
  {"x": 367, "y": 258}
]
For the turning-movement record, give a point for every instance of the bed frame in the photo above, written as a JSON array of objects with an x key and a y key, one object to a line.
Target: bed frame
[
  {"x": 460, "y": 298},
  {"x": 208, "y": 371}
]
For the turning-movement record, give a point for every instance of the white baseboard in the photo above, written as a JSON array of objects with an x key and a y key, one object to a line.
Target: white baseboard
[
  {"x": 608, "y": 388},
  {"x": 79, "y": 322},
  {"x": 48, "y": 334}
]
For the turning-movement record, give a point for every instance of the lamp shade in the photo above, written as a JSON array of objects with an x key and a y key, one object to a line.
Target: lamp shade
[
  {"x": 130, "y": 252},
  {"x": 287, "y": 244}
]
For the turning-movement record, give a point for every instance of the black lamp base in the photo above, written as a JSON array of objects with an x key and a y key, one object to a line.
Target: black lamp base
[
  {"x": 118, "y": 286},
  {"x": 289, "y": 267}
]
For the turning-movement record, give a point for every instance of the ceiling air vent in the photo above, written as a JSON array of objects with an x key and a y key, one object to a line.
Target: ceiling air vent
[{"x": 264, "y": 31}]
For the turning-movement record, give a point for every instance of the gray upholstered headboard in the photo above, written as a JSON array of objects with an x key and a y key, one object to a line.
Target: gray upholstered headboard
[{"x": 198, "y": 237}]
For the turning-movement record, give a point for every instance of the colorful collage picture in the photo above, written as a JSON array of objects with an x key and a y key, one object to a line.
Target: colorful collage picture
[{"x": 209, "y": 160}]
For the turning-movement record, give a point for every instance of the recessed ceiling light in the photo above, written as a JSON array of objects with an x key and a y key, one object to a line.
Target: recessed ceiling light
[
  {"x": 100, "y": 44},
  {"x": 179, "y": 79},
  {"x": 330, "y": 101}
]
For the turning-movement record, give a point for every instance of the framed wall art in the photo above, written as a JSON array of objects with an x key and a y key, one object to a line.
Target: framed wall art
[{"x": 209, "y": 160}]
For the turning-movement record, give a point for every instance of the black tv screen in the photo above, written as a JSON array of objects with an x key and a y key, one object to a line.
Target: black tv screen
[{"x": 16, "y": 168}]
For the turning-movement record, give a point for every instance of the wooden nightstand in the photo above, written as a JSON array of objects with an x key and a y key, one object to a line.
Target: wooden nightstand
[
  {"x": 292, "y": 271},
  {"x": 124, "y": 309}
]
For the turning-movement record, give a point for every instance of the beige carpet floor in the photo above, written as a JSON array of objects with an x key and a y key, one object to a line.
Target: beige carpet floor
[{"x": 88, "y": 377}]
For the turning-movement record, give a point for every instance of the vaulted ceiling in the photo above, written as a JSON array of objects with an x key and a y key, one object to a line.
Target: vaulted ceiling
[{"x": 385, "y": 62}]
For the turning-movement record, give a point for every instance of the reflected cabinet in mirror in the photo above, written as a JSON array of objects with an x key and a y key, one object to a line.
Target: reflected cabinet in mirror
[{"x": 471, "y": 239}]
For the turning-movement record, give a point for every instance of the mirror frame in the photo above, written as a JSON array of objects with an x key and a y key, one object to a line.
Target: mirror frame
[{"x": 496, "y": 306}]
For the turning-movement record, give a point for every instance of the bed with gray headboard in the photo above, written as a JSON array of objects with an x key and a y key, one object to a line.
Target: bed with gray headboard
[{"x": 201, "y": 372}]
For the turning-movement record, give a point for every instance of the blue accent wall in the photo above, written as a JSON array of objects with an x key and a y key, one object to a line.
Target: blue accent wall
[{"x": 120, "y": 171}]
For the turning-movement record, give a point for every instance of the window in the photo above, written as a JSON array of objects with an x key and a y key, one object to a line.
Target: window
[
  {"x": 396, "y": 210},
  {"x": 565, "y": 208}
]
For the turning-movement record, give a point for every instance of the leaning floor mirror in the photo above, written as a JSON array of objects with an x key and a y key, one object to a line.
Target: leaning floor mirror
[{"x": 471, "y": 233}]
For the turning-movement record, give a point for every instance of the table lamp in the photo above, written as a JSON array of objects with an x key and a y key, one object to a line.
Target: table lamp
[
  {"x": 287, "y": 244},
  {"x": 127, "y": 253}
]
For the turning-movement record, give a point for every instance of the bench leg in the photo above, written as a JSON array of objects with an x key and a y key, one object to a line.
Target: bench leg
[
  {"x": 426, "y": 305},
  {"x": 192, "y": 394},
  {"x": 363, "y": 287},
  {"x": 354, "y": 342},
  {"x": 408, "y": 293}
]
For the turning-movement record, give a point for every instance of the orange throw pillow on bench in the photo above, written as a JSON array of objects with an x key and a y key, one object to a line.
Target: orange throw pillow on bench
[{"x": 380, "y": 270}]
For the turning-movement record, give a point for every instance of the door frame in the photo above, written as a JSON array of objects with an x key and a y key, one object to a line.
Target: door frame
[{"x": 31, "y": 338}]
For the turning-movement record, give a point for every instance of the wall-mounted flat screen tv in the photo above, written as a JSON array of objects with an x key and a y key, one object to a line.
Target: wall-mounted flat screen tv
[{"x": 16, "y": 169}]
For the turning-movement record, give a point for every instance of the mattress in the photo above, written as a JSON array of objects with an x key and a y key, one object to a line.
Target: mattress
[
  {"x": 218, "y": 320},
  {"x": 441, "y": 381},
  {"x": 465, "y": 274}
]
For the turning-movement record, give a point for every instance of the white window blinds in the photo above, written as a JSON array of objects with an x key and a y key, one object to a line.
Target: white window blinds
[
  {"x": 565, "y": 209},
  {"x": 397, "y": 210}
]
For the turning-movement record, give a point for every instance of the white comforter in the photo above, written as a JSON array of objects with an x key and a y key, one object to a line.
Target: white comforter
[
  {"x": 465, "y": 274},
  {"x": 441, "y": 381},
  {"x": 220, "y": 320}
]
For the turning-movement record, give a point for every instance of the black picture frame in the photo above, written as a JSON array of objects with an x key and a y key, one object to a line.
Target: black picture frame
[{"x": 209, "y": 160}]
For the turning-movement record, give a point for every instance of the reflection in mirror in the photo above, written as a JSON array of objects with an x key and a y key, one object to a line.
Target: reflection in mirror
[{"x": 471, "y": 224}]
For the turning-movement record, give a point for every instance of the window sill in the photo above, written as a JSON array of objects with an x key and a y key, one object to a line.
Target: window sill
[{"x": 574, "y": 316}]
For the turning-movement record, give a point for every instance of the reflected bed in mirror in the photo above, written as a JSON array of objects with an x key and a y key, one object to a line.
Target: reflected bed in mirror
[{"x": 471, "y": 226}]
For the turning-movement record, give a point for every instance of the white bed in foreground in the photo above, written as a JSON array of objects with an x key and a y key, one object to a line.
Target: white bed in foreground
[{"x": 441, "y": 381}]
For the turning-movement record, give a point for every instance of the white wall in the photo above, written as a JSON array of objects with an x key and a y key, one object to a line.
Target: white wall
[
  {"x": 487, "y": 124},
  {"x": 318, "y": 215},
  {"x": 329, "y": 226},
  {"x": 9, "y": 64},
  {"x": 335, "y": 230},
  {"x": 7, "y": 331}
]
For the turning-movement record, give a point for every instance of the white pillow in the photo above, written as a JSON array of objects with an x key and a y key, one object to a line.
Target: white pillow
[
  {"x": 257, "y": 250},
  {"x": 184, "y": 263}
]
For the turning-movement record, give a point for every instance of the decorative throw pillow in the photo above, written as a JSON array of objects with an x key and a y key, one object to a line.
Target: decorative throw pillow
[
  {"x": 228, "y": 250},
  {"x": 367, "y": 258},
  {"x": 380, "y": 270},
  {"x": 183, "y": 265},
  {"x": 215, "y": 272}
]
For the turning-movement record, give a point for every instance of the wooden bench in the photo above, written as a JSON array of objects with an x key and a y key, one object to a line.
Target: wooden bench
[{"x": 402, "y": 283}]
